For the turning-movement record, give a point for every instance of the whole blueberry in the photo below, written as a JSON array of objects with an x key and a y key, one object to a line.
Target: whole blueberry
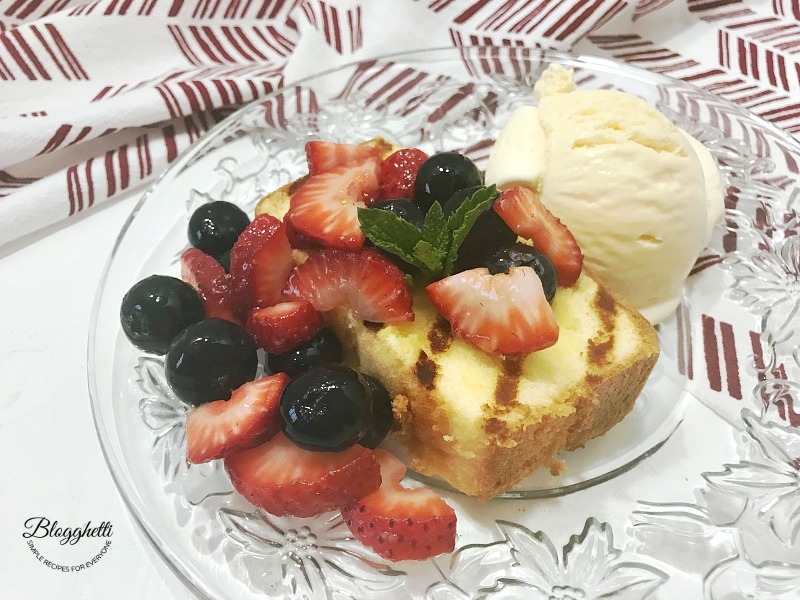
[
  {"x": 327, "y": 409},
  {"x": 209, "y": 360},
  {"x": 214, "y": 227},
  {"x": 156, "y": 309},
  {"x": 441, "y": 176}
]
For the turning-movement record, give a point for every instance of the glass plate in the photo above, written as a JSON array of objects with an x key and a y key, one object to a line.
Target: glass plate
[{"x": 696, "y": 494}]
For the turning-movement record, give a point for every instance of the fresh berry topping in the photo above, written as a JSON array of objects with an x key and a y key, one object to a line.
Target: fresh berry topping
[
  {"x": 401, "y": 523},
  {"x": 157, "y": 309},
  {"x": 522, "y": 211},
  {"x": 487, "y": 235},
  {"x": 225, "y": 261},
  {"x": 399, "y": 171},
  {"x": 382, "y": 418},
  {"x": 212, "y": 283},
  {"x": 409, "y": 212},
  {"x": 249, "y": 418},
  {"x": 324, "y": 156},
  {"x": 284, "y": 479},
  {"x": 261, "y": 260},
  {"x": 441, "y": 176},
  {"x": 327, "y": 409},
  {"x": 284, "y": 326},
  {"x": 323, "y": 349},
  {"x": 403, "y": 208},
  {"x": 215, "y": 227},
  {"x": 297, "y": 240},
  {"x": 374, "y": 288},
  {"x": 325, "y": 208},
  {"x": 209, "y": 360},
  {"x": 523, "y": 255},
  {"x": 503, "y": 313}
]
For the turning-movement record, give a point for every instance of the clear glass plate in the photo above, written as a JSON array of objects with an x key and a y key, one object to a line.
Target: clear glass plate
[{"x": 695, "y": 494}]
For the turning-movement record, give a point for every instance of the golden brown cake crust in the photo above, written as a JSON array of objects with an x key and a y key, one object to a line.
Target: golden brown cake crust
[
  {"x": 600, "y": 401},
  {"x": 605, "y": 397}
]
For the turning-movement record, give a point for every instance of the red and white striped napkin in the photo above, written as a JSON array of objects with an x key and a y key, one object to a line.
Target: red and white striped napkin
[{"x": 97, "y": 97}]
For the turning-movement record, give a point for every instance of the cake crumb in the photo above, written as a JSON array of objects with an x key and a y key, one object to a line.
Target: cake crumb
[{"x": 557, "y": 467}]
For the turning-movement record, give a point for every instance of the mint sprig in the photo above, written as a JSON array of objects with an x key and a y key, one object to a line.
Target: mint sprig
[
  {"x": 462, "y": 220},
  {"x": 434, "y": 247}
]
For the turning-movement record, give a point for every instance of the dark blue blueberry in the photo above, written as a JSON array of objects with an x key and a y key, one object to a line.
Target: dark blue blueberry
[
  {"x": 215, "y": 227},
  {"x": 157, "y": 309},
  {"x": 522, "y": 255},
  {"x": 209, "y": 360}
]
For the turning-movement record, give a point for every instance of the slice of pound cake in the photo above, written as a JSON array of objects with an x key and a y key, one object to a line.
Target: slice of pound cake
[{"x": 484, "y": 420}]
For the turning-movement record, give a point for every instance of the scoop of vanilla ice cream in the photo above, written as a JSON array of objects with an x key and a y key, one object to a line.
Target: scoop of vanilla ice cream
[{"x": 629, "y": 185}]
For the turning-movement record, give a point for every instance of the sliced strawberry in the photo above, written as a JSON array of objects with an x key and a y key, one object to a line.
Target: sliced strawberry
[
  {"x": 325, "y": 208},
  {"x": 505, "y": 313},
  {"x": 261, "y": 260},
  {"x": 399, "y": 171},
  {"x": 212, "y": 283},
  {"x": 249, "y": 418},
  {"x": 401, "y": 523},
  {"x": 298, "y": 240},
  {"x": 323, "y": 156},
  {"x": 284, "y": 479},
  {"x": 522, "y": 211},
  {"x": 373, "y": 287},
  {"x": 283, "y": 327}
]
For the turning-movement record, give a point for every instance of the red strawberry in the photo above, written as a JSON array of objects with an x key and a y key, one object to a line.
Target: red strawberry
[
  {"x": 325, "y": 208},
  {"x": 284, "y": 479},
  {"x": 284, "y": 326},
  {"x": 261, "y": 260},
  {"x": 505, "y": 313},
  {"x": 401, "y": 523},
  {"x": 399, "y": 171},
  {"x": 298, "y": 240},
  {"x": 366, "y": 281},
  {"x": 250, "y": 417},
  {"x": 522, "y": 211},
  {"x": 323, "y": 156},
  {"x": 212, "y": 283}
]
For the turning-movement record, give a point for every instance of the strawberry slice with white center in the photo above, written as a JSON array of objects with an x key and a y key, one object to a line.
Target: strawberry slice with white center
[
  {"x": 324, "y": 156},
  {"x": 261, "y": 260},
  {"x": 284, "y": 479},
  {"x": 369, "y": 283},
  {"x": 325, "y": 208},
  {"x": 212, "y": 283},
  {"x": 283, "y": 327},
  {"x": 401, "y": 523},
  {"x": 249, "y": 418},
  {"x": 524, "y": 213},
  {"x": 505, "y": 313}
]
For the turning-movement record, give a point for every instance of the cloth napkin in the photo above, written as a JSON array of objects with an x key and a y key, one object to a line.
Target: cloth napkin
[{"x": 97, "y": 97}]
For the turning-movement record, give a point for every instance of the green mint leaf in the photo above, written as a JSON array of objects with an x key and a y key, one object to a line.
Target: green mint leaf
[
  {"x": 390, "y": 233},
  {"x": 434, "y": 230},
  {"x": 409, "y": 280},
  {"x": 429, "y": 255},
  {"x": 462, "y": 220}
]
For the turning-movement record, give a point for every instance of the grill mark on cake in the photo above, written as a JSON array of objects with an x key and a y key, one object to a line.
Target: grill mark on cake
[
  {"x": 297, "y": 184},
  {"x": 505, "y": 393},
  {"x": 606, "y": 307},
  {"x": 494, "y": 426},
  {"x": 425, "y": 370},
  {"x": 600, "y": 350},
  {"x": 440, "y": 336},
  {"x": 593, "y": 380},
  {"x": 601, "y": 346},
  {"x": 372, "y": 326}
]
